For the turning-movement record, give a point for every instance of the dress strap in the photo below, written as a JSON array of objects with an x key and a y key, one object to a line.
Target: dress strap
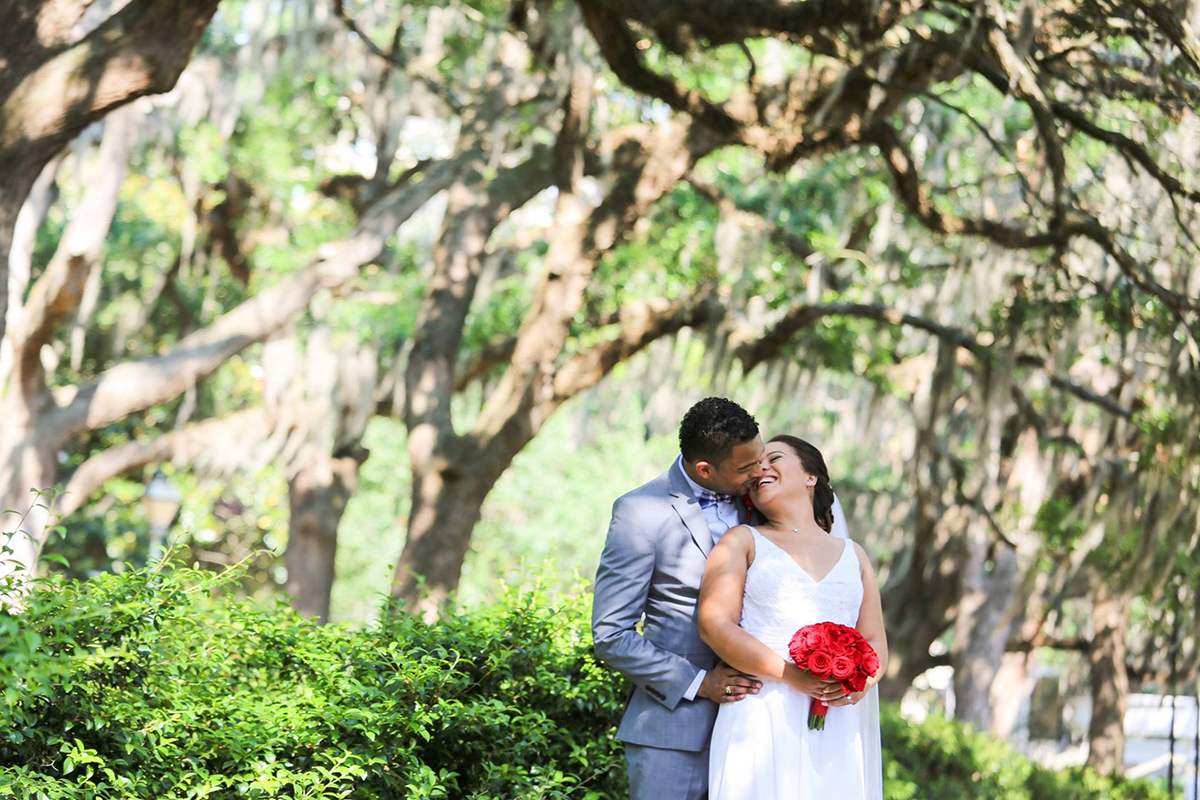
[
  {"x": 847, "y": 549},
  {"x": 755, "y": 537}
]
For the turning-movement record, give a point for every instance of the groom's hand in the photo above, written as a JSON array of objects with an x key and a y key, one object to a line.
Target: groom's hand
[{"x": 723, "y": 676}]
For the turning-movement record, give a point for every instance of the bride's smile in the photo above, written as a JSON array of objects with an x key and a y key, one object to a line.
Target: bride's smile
[{"x": 774, "y": 466}]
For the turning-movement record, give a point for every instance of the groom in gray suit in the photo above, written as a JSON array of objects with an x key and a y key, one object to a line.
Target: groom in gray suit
[{"x": 659, "y": 538}]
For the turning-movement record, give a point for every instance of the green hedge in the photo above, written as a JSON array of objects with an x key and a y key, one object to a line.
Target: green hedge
[{"x": 145, "y": 685}]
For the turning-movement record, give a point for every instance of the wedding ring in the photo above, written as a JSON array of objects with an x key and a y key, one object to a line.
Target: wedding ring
[{"x": 728, "y": 690}]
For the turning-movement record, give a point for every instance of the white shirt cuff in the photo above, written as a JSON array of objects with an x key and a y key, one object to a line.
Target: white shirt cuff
[{"x": 690, "y": 694}]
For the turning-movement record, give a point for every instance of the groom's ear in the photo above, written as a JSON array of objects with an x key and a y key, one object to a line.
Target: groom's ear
[{"x": 704, "y": 469}]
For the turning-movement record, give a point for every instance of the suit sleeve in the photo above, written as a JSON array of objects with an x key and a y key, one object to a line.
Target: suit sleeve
[{"x": 622, "y": 586}]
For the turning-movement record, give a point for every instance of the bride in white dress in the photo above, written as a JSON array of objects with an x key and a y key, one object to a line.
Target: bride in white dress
[{"x": 760, "y": 586}]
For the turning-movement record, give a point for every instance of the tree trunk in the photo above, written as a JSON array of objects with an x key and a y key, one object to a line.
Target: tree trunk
[
  {"x": 921, "y": 593},
  {"x": 14, "y": 189},
  {"x": 1110, "y": 681},
  {"x": 446, "y": 505},
  {"x": 990, "y": 572},
  {"x": 909, "y": 638},
  {"x": 24, "y": 237},
  {"x": 980, "y": 642},
  {"x": 28, "y": 464},
  {"x": 452, "y": 476},
  {"x": 1008, "y": 691},
  {"x": 318, "y": 494},
  {"x": 919, "y": 600}
]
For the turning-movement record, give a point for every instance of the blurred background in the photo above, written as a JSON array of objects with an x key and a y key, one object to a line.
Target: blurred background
[{"x": 394, "y": 300}]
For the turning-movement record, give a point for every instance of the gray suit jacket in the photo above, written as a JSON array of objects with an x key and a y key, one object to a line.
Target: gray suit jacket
[{"x": 652, "y": 564}]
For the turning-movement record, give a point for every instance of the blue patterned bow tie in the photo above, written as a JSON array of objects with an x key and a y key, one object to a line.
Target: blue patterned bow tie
[{"x": 709, "y": 499}]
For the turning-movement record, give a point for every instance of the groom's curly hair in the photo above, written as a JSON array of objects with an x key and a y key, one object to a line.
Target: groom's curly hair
[{"x": 712, "y": 428}]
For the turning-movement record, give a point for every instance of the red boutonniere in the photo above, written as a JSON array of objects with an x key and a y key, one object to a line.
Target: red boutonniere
[{"x": 749, "y": 504}]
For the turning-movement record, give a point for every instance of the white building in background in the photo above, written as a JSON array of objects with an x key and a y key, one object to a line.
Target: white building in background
[
  {"x": 1147, "y": 727},
  {"x": 1148, "y": 734}
]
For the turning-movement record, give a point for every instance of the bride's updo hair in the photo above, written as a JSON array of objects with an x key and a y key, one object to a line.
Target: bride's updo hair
[{"x": 813, "y": 463}]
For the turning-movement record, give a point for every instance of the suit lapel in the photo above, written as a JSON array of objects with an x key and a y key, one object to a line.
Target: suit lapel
[{"x": 688, "y": 509}]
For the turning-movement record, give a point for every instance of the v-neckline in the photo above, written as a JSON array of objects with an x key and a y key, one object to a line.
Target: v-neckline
[{"x": 816, "y": 582}]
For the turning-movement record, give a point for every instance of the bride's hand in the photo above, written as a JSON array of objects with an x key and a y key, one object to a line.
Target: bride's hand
[
  {"x": 848, "y": 700},
  {"x": 829, "y": 692}
]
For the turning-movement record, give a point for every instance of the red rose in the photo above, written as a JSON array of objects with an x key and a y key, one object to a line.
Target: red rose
[
  {"x": 869, "y": 661},
  {"x": 842, "y": 667},
  {"x": 820, "y": 663},
  {"x": 816, "y": 638},
  {"x": 797, "y": 649},
  {"x": 856, "y": 682},
  {"x": 840, "y": 647}
]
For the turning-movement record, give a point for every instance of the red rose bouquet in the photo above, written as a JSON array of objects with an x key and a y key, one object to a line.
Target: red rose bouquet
[{"x": 833, "y": 652}]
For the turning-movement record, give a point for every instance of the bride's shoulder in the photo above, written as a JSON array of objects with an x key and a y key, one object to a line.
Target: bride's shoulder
[
  {"x": 739, "y": 538},
  {"x": 736, "y": 546},
  {"x": 864, "y": 561},
  {"x": 739, "y": 533}
]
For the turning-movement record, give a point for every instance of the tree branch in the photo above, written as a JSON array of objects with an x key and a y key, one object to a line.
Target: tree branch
[
  {"x": 203, "y": 444},
  {"x": 620, "y": 50},
  {"x": 1127, "y": 146},
  {"x": 664, "y": 157},
  {"x": 1020, "y": 79},
  {"x": 1074, "y": 645},
  {"x": 798, "y": 247},
  {"x": 396, "y": 58},
  {"x": 140, "y": 50},
  {"x": 476, "y": 207},
  {"x": 752, "y": 352},
  {"x": 58, "y": 291},
  {"x": 641, "y": 322},
  {"x": 914, "y": 195},
  {"x": 51, "y": 89},
  {"x": 491, "y": 355},
  {"x": 132, "y": 386},
  {"x": 727, "y": 21},
  {"x": 1176, "y": 27}
]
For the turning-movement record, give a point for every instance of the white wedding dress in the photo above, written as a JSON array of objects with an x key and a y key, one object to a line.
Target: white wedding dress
[{"x": 762, "y": 748}]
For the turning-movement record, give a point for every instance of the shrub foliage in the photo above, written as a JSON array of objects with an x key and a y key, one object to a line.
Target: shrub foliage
[{"x": 157, "y": 684}]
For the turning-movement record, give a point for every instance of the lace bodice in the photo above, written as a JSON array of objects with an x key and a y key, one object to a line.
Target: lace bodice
[{"x": 780, "y": 597}]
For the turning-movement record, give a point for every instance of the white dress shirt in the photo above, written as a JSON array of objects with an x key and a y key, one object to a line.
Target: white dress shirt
[{"x": 721, "y": 517}]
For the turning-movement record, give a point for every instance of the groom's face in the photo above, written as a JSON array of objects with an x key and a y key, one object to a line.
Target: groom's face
[{"x": 738, "y": 473}]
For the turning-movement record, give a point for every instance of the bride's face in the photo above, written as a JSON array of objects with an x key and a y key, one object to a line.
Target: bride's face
[{"x": 782, "y": 475}]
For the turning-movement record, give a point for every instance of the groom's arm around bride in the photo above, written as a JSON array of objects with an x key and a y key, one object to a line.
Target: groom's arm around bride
[{"x": 621, "y": 591}]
